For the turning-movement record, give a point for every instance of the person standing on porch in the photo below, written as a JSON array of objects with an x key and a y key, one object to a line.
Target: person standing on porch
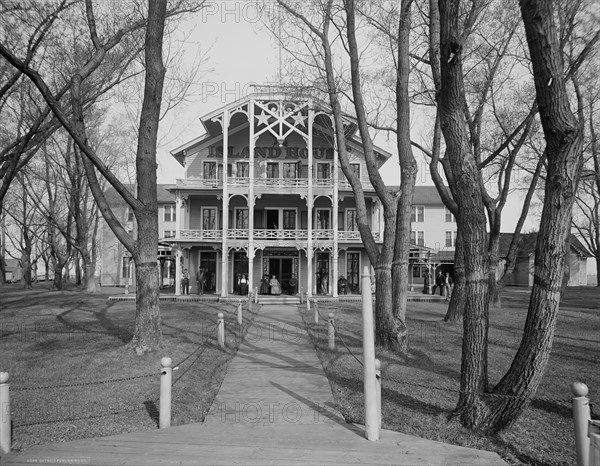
[
  {"x": 275, "y": 286},
  {"x": 185, "y": 282},
  {"x": 200, "y": 279}
]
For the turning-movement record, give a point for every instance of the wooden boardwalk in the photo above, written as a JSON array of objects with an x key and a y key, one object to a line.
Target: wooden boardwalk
[{"x": 275, "y": 406}]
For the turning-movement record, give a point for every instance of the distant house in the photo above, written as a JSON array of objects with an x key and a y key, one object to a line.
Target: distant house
[
  {"x": 524, "y": 268},
  {"x": 13, "y": 270}
]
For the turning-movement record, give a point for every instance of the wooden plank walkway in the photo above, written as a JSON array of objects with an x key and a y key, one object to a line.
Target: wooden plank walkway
[{"x": 275, "y": 406}]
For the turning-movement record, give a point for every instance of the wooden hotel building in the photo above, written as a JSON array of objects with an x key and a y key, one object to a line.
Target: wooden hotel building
[{"x": 263, "y": 196}]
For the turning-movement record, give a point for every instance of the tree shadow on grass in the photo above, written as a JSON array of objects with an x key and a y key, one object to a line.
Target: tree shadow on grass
[
  {"x": 107, "y": 326},
  {"x": 152, "y": 411}
]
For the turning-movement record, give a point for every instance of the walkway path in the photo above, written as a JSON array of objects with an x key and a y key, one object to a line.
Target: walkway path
[{"x": 275, "y": 406}]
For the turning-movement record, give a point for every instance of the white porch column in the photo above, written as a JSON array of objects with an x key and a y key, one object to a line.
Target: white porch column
[
  {"x": 309, "y": 204},
  {"x": 251, "y": 144},
  {"x": 225, "y": 252},
  {"x": 178, "y": 215},
  {"x": 178, "y": 270},
  {"x": 335, "y": 202}
]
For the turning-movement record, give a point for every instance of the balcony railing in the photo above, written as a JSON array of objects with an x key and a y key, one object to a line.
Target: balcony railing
[{"x": 274, "y": 235}]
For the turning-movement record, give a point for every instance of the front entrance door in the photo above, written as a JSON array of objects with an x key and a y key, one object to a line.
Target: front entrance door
[
  {"x": 208, "y": 260},
  {"x": 282, "y": 268}
]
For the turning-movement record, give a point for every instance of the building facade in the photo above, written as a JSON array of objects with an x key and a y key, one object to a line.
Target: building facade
[
  {"x": 115, "y": 265},
  {"x": 263, "y": 196}
]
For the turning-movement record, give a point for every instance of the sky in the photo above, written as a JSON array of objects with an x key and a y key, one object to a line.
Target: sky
[{"x": 240, "y": 52}]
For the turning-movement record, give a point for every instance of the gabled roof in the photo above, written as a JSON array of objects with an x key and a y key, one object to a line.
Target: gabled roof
[
  {"x": 261, "y": 93},
  {"x": 527, "y": 242},
  {"x": 163, "y": 196}
]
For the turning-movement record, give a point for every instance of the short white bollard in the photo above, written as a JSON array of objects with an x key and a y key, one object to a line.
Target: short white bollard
[
  {"x": 126, "y": 288},
  {"x": 371, "y": 421},
  {"x": 378, "y": 390},
  {"x": 239, "y": 313},
  {"x": 255, "y": 294},
  {"x": 581, "y": 418},
  {"x": 301, "y": 295},
  {"x": 316, "y": 309},
  {"x": 307, "y": 303},
  {"x": 331, "y": 332},
  {"x": 166, "y": 377},
  {"x": 221, "y": 330},
  {"x": 5, "y": 433}
]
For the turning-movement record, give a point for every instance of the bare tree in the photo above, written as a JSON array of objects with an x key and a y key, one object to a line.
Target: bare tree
[{"x": 110, "y": 52}]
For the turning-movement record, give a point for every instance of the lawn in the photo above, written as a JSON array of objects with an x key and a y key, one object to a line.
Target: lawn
[
  {"x": 419, "y": 390},
  {"x": 79, "y": 341}
]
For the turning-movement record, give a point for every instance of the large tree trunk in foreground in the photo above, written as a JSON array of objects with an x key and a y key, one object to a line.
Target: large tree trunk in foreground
[
  {"x": 564, "y": 139},
  {"x": 147, "y": 334},
  {"x": 471, "y": 219}
]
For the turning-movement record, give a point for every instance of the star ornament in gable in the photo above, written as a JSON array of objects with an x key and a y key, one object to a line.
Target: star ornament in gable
[
  {"x": 263, "y": 118},
  {"x": 298, "y": 119}
]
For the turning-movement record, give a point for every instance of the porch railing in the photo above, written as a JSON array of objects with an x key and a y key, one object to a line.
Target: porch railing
[{"x": 271, "y": 234}]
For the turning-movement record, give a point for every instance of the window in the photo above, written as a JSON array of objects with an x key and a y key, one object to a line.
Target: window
[
  {"x": 170, "y": 215},
  {"x": 169, "y": 234},
  {"x": 210, "y": 170},
  {"x": 450, "y": 239},
  {"x": 449, "y": 217},
  {"x": 351, "y": 220},
  {"x": 417, "y": 237},
  {"x": 417, "y": 213},
  {"x": 129, "y": 214},
  {"x": 241, "y": 219},
  {"x": 291, "y": 170},
  {"x": 243, "y": 170},
  {"x": 209, "y": 219},
  {"x": 322, "y": 219},
  {"x": 272, "y": 170},
  {"x": 323, "y": 171},
  {"x": 289, "y": 219}
]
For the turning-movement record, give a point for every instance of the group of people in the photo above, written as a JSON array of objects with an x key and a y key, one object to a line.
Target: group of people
[
  {"x": 273, "y": 287},
  {"x": 443, "y": 282},
  {"x": 200, "y": 281}
]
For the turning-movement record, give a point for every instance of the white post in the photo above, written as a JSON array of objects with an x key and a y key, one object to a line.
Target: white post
[
  {"x": 331, "y": 332},
  {"x": 371, "y": 422},
  {"x": 4, "y": 413},
  {"x": 378, "y": 391},
  {"x": 255, "y": 294},
  {"x": 239, "y": 312},
  {"x": 307, "y": 303},
  {"x": 221, "y": 330},
  {"x": 316, "y": 308},
  {"x": 166, "y": 375},
  {"x": 581, "y": 418},
  {"x": 594, "y": 435},
  {"x": 301, "y": 295}
]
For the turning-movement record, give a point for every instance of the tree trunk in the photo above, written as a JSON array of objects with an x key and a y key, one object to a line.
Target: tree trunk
[
  {"x": 564, "y": 139},
  {"x": 458, "y": 299},
  {"x": 471, "y": 219},
  {"x": 57, "y": 283},
  {"x": 147, "y": 334},
  {"x": 408, "y": 177}
]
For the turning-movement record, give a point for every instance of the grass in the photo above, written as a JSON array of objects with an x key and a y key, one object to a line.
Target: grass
[
  {"x": 80, "y": 340},
  {"x": 419, "y": 389}
]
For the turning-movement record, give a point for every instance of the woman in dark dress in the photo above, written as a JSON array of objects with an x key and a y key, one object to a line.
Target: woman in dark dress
[{"x": 264, "y": 285}]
